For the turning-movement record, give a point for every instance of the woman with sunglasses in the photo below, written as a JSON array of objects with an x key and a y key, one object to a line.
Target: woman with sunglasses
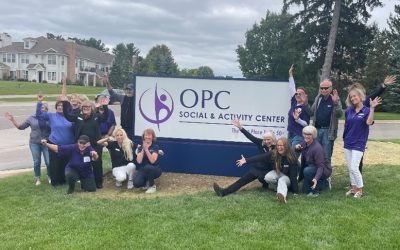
[{"x": 88, "y": 123}]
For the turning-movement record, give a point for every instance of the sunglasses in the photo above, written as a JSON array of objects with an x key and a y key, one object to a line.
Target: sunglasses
[
  {"x": 324, "y": 88},
  {"x": 82, "y": 142}
]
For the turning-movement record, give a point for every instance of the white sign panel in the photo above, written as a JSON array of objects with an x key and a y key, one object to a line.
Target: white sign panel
[{"x": 204, "y": 108}]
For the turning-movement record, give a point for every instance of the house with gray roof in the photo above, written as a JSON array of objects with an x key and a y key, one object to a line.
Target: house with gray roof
[{"x": 41, "y": 59}]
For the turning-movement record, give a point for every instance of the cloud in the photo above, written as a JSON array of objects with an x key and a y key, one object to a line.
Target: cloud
[{"x": 197, "y": 32}]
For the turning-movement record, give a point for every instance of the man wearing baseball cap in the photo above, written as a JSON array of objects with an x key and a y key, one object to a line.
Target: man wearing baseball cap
[{"x": 127, "y": 107}]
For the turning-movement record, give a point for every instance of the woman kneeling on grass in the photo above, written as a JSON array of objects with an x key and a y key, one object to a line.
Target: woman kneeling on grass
[
  {"x": 121, "y": 150},
  {"x": 314, "y": 168},
  {"x": 147, "y": 158},
  {"x": 358, "y": 117},
  {"x": 79, "y": 165},
  {"x": 280, "y": 169}
]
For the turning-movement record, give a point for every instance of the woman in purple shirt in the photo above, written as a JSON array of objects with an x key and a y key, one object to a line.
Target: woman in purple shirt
[
  {"x": 79, "y": 166},
  {"x": 358, "y": 117}
]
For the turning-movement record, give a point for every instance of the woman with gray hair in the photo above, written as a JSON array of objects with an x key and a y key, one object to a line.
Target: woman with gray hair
[
  {"x": 315, "y": 170},
  {"x": 40, "y": 129}
]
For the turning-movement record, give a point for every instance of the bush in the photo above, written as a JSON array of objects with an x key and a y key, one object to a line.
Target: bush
[
  {"x": 34, "y": 80},
  {"x": 44, "y": 81}
]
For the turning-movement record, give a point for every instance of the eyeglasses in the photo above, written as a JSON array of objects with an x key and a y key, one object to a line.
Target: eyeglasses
[{"x": 324, "y": 88}]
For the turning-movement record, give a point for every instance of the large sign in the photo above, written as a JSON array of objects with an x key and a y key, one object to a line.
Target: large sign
[{"x": 202, "y": 109}]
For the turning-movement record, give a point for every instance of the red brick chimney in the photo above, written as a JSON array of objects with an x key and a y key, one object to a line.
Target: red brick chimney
[{"x": 70, "y": 48}]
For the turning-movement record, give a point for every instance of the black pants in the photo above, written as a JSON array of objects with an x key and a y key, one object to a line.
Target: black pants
[
  {"x": 57, "y": 168},
  {"x": 244, "y": 180},
  {"x": 98, "y": 167},
  {"x": 147, "y": 173},
  {"x": 72, "y": 176}
]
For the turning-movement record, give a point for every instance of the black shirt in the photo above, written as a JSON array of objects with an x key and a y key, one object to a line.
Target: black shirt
[
  {"x": 117, "y": 155},
  {"x": 324, "y": 113}
]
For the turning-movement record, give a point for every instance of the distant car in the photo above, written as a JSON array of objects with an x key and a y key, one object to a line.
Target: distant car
[{"x": 112, "y": 99}]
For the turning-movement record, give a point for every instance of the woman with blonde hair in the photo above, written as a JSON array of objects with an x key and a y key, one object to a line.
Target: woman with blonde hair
[
  {"x": 358, "y": 117},
  {"x": 121, "y": 150}
]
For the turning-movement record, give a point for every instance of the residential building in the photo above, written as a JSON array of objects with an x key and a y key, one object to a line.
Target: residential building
[{"x": 41, "y": 59}]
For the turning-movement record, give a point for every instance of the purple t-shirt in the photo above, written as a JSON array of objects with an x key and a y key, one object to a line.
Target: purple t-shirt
[
  {"x": 356, "y": 129},
  {"x": 294, "y": 127},
  {"x": 77, "y": 160}
]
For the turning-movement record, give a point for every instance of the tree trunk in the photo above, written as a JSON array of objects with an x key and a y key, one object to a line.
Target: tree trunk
[{"x": 326, "y": 69}]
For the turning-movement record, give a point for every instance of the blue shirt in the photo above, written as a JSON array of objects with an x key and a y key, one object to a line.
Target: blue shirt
[
  {"x": 324, "y": 112},
  {"x": 294, "y": 127},
  {"x": 356, "y": 129},
  {"x": 62, "y": 132},
  {"x": 78, "y": 161},
  {"x": 105, "y": 126},
  {"x": 153, "y": 149}
]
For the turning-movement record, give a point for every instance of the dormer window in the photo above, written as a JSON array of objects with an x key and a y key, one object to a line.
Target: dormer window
[{"x": 26, "y": 45}]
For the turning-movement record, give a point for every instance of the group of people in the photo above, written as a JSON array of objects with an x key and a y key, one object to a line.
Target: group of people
[
  {"x": 305, "y": 155},
  {"x": 72, "y": 138}
]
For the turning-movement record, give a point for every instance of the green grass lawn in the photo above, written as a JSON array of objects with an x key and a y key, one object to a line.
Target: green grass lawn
[
  {"x": 46, "y": 218},
  {"x": 31, "y": 88}
]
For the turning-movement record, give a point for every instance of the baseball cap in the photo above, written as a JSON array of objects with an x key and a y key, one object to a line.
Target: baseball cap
[
  {"x": 83, "y": 139},
  {"x": 130, "y": 86}
]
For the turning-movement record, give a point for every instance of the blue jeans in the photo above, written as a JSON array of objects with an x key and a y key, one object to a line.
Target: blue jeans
[
  {"x": 293, "y": 141},
  {"x": 37, "y": 149},
  {"x": 309, "y": 173},
  {"x": 327, "y": 145}
]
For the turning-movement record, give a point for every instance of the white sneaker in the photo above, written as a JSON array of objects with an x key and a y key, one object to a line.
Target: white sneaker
[
  {"x": 49, "y": 179},
  {"x": 147, "y": 186},
  {"x": 118, "y": 184},
  {"x": 37, "y": 181},
  {"x": 130, "y": 184},
  {"x": 151, "y": 190}
]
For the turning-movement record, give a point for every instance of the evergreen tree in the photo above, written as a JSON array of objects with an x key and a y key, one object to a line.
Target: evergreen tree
[
  {"x": 159, "y": 62},
  {"x": 123, "y": 66}
]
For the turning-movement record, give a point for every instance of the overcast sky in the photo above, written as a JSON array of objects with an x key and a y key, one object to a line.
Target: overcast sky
[{"x": 198, "y": 32}]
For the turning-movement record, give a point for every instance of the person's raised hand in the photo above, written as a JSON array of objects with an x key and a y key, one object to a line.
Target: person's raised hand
[
  {"x": 375, "y": 102},
  {"x": 236, "y": 123},
  {"x": 241, "y": 162},
  {"x": 335, "y": 96},
  {"x": 291, "y": 70},
  {"x": 389, "y": 80}
]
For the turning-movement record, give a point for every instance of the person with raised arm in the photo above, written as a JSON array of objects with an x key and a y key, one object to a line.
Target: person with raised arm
[{"x": 80, "y": 156}]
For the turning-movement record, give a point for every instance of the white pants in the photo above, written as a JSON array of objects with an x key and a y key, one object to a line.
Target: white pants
[
  {"x": 120, "y": 173},
  {"x": 281, "y": 180},
  {"x": 353, "y": 158}
]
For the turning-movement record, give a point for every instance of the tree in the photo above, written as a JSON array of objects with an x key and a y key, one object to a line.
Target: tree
[
  {"x": 318, "y": 14},
  {"x": 123, "y": 66},
  {"x": 53, "y": 37},
  {"x": 159, "y": 62},
  {"x": 91, "y": 42},
  {"x": 202, "y": 71},
  {"x": 270, "y": 48}
]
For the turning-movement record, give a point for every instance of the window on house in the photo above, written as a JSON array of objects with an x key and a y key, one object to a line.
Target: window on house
[
  {"x": 51, "y": 59},
  {"x": 25, "y": 58},
  {"x": 13, "y": 58},
  {"x": 51, "y": 76},
  {"x": 26, "y": 44},
  {"x": 4, "y": 58},
  {"x": 25, "y": 74},
  {"x": 76, "y": 63},
  {"x": 62, "y": 60}
]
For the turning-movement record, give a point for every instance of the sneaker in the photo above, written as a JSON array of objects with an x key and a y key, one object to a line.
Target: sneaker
[
  {"x": 151, "y": 190},
  {"x": 49, "y": 179},
  {"x": 281, "y": 198},
  {"x": 358, "y": 195},
  {"x": 147, "y": 186},
  {"x": 119, "y": 184},
  {"x": 130, "y": 184},
  {"x": 350, "y": 192},
  {"x": 311, "y": 194},
  {"x": 37, "y": 181},
  {"x": 329, "y": 180},
  {"x": 218, "y": 190}
]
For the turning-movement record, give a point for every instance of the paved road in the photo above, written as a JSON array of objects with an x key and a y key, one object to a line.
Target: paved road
[{"x": 15, "y": 153}]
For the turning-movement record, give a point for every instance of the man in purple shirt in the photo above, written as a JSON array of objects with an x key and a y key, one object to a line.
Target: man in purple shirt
[{"x": 79, "y": 164}]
